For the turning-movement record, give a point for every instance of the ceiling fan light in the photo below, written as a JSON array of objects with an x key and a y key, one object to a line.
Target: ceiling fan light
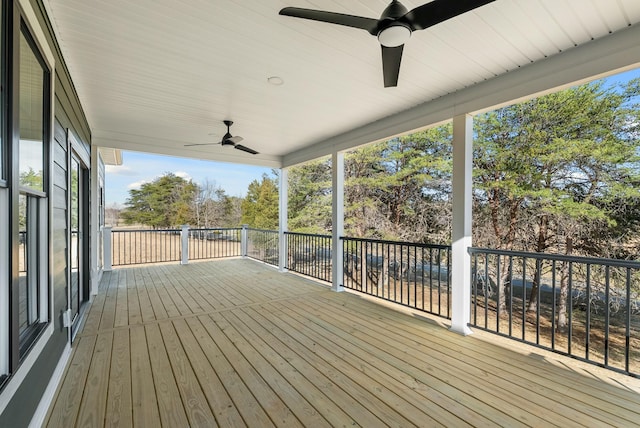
[{"x": 395, "y": 35}]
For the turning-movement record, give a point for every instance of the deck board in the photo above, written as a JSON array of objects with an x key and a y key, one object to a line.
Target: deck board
[
  {"x": 145, "y": 411},
  {"x": 119, "y": 406},
  {"x": 236, "y": 343},
  {"x": 66, "y": 406},
  {"x": 94, "y": 397}
]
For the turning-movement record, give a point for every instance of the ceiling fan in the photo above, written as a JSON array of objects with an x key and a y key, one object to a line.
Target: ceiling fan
[
  {"x": 229, "y": 140},
  {"x": 394, "y": 27}
]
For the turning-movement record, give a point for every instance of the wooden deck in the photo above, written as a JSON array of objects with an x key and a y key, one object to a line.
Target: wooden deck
[{"x": 235, "y": 343}]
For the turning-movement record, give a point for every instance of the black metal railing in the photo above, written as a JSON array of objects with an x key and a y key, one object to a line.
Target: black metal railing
[
  {"x": 130, "y": 247},
  {"x": 586, "y": 308},
  {"x": 263, "y": 245},
  {"x": 309, "y": 254},
  {"x": 213, "y": 243},
  {"x": 411, "y": 274}
]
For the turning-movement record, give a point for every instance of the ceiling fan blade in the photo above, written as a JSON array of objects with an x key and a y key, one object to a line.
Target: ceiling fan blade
[
  {"x": 391, "y": 58},
  {"x": 201, "y": 144},
  {"x": 368, "y": 24},
  {"x": 245, "y": 149},
  {"x": 232, "y": 140},
  {"x": 437, "y": 11}
]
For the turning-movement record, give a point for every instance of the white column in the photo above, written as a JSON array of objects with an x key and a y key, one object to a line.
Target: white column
[
  {"x": 94, "y": 227},
  {"x": 461, "y": 227},
  {"x": 337, "y": 229},
  {"x": 107, "y": 249},
  {"x": 283, "y": 212},
  {"x": 244, "y": 240},
  {"x": 184, "y": 238}
]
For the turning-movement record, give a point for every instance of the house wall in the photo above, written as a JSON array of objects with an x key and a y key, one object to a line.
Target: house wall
[{"x": 24, "y": 397}]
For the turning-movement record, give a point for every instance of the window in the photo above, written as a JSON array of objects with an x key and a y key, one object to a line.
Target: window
[
  {"x": 32, "y": 294},
  {"x": 25, "y": 119},
  {"x": 31, "y": 298},
  {"x": 32, "y": 86},
  {"x": 4, "y": 207}
]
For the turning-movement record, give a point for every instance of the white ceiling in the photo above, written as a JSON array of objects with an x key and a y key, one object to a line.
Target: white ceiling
[{"x": 154, "y": 75}]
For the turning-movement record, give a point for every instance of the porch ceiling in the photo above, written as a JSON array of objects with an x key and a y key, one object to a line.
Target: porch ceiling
[{"x": 154, "y": 75}]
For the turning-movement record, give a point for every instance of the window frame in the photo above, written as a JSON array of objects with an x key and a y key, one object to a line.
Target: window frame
[
  {"x": 22, "y": 343},
  {"x": 4, "y": 98},
  {"x": 5, "y": 366},
  {"x": 5, "y": 235},
  {"x": 20, "y": 17}
]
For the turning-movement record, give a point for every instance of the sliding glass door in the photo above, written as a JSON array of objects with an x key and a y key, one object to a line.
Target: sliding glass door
[{"x": 79, "y": 284}]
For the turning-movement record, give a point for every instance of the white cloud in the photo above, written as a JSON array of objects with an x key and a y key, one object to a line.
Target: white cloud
[
  {"x": 183, "y": 174},
  {"x": 121, "y": 170},
  {"x": 137, "y": 184}
]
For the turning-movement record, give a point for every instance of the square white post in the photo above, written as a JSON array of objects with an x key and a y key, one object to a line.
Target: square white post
[
  {"x": 94, "y": 221},
  {"x": 184, "y": 239},
  {"x": 461, "y": 227},
  {"x": 337, "y": 229},
  {"x": 283, "y": 214},
  {"x": 244, "y": 240},
  {"x": 108, "y": 266}
]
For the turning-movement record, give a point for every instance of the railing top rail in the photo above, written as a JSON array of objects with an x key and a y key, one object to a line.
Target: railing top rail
[
  {"x": 144, "y": 230},
  {"x": 558, "y": 257},
  {"x": 214, "y": 228},
  {"x": 262, "y": 230},
  {"x": 312, "y": 235},
  {"x": 409, "y": 244}
]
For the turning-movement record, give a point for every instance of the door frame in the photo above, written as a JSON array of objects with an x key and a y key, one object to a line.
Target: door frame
[{"x": 77, "y": 153}]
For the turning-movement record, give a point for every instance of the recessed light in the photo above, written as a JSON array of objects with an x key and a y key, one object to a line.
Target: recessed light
[{"x": 275, "y": 80}]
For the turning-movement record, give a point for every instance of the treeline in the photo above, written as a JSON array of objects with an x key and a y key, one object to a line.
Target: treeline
[
  {"x": 559, "y": 173},
  {"x": 170, "y": 201}
]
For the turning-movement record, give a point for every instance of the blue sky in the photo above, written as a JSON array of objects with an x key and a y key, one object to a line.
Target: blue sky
[{"x": 138, "y": 168}]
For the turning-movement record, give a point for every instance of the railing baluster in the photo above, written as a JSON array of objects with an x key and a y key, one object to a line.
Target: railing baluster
[
  {"x": 607, "y": 315},
  {"x": 474, "y": 289},
  {"x": 539, "y": 303},
  {"x": 570, "y": 308},
  {"x": 486, "y": 291},
  {"x": 627, "y": 348},
  {"x": 510, "y": 295},
  {"x": 553, "y": 305},
  {"x": 587, "y": 338},
  {"x": 524, "y": 297},
  {"x": 498, "y": 291}
]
